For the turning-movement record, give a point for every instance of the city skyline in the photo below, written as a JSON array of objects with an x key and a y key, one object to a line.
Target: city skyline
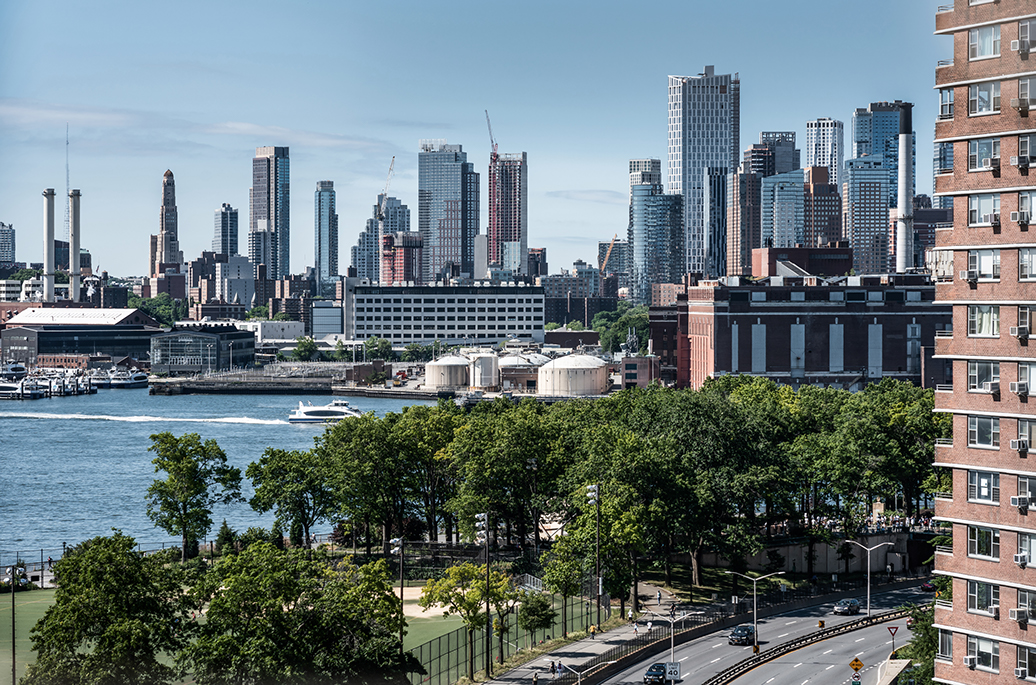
[{"x": 126, "y": 129}]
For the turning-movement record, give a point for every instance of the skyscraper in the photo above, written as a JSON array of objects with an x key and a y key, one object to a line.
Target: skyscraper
[
  {"x": 325, "y": 238},
  {"x": 782, "y": 210},
  {"x": 447, "y": 209},
  {"x": 744, "y": 221},
  {"x": 7, "y": 252},
  {"x": 865, "y": 214},
  {"x": 825, "y": 146},
  {"x": 822, "y": 208},
  {"x": 224, "y": 238},
  {"x": 704, "y": 139},
  {"x": 508, "y": 228},
  {"x": 364, "y": 255},
  {"x": 270, "y": 212},
  {"x": 654, "y": 237},
  {"x": 166, "y": 252},
  {"x": 876, "y": 133},
  {"x": 984, "y": 630},
  {"x": 401, "y": 258}
]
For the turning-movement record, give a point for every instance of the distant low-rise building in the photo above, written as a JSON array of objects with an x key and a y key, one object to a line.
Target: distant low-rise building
[
  {"x": 196, "y": 348},
  {"x": 64, "y": 331}
]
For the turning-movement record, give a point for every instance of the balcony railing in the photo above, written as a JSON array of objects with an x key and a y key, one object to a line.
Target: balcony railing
[
  {"x": 944, "y": 387},
  {"x": 944, "y": 8},
  {"x": 944, "y": 604},
  {"x": 944, "y": 549},
  {"x": 944, "y": 442},
  {"x": 944, "y": 334},
  {"x": 944, "y": 63},
  {"x": 943, "y": 495}
]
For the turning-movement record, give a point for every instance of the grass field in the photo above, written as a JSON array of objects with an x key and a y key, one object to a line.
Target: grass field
[{"x": 29, "y": 608}]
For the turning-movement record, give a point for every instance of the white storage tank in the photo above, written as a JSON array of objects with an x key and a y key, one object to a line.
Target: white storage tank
[
  {"x": 447, "y": 373},
  {"x": 485, "y": 371},
  {"x": 529, "y": 359},
  {"x": 573, "y": 376}
]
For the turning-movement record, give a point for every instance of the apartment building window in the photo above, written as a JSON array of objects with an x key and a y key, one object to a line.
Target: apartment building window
[
  {"x": 945, "y": 650},
  {"x": 984, "y": 98},
  {"x": 981, "y": 151},
  {"x": 986, "y": 651},
  {"x": 984, "y": 320},
  {"x": 984, "y": 487},
  {"x": 1024, "y": 315},
  {"x": 984, "y": 42},
  {"x": 985, "y": 262},
  {"x": 946, "y": 103},
  {"x": 1023, "y": 145},
  {"x": 1023, "y": 90},
  {"x": 1027, "y": 600},
  {"x": 983, "y": 431},
  {"x": 1027, "y": 657},
  {"x": 982, "y": 373},
  {"x": 983, "y": 209},
  {"x": 1027, "y": 542},
  {"x": 983, "y": 542},
  {"x": 1025, "y": 204},
  {"x": 983, "y": 597},
  {"x": 1023, "y": 30},
  {"x": 1026, "y": 263}
]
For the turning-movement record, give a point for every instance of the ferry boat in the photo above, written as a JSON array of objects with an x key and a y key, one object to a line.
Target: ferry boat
[
  {"x": 336, "y": 411},
  {"x": 129, "y": 379},
  {"x": 13, "y": 371}
]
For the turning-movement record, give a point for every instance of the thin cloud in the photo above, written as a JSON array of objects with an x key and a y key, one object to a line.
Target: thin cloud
[
  {"x": 28, "y": 113},
  {"x": 314, "y": 139},
  {"x": 604, "y": 197}
]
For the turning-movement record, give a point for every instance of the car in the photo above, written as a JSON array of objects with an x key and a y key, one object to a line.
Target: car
[
  {"x": 910, "y": 623},
  {"x": 655, "y": 674},
  {"x": 849, "y": 607},
  {"x": 742, "y": 635},
  {"x": 928, "y": 586}
]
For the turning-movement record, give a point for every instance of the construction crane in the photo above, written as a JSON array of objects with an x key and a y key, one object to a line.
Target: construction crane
[
  {"x": 381, "y": 215},
  {"x": 608, "y": 255},
  {"x": 491, "y": 139}
]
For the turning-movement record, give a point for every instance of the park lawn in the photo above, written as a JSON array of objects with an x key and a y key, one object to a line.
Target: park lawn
[
  {"x": 421, "y": 630},
  {"x": 29, "y": 608}
]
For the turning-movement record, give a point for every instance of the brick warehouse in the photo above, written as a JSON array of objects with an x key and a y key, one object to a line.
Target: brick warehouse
[
  {"x": 985, "y": 273},
  {"x": 844, "y": 332}
]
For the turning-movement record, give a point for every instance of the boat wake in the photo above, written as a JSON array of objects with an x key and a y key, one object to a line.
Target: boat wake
[{"x": 138, "y": 419}]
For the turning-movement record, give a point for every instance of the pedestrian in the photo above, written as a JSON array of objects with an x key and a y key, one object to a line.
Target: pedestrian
[
  {"x": 593, "y": 631},
  {"x": 535, "y": 678},
  {"x": 50, "y": 562},
  {"x": 636, "y": 629},
  {"x": 629, "y": 615},
  {"x": 553, "y": 670},
  {"x": 658, "y": 596},
  {"x": 561, "y": 671},
  {"x": 649, "y": 627}
]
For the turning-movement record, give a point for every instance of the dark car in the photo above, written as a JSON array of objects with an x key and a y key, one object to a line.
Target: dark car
[
  {"x": 928, "y": 586},
  {"x": 742, "y": 635},
  {"x": 655, "y": 674},
  {"x": 849, "y": 607}
]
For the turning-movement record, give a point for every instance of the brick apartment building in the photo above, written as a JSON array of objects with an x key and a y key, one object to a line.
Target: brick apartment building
[
  {"x": 843, "y": 333},
  {"x": 989, "y": 281}
]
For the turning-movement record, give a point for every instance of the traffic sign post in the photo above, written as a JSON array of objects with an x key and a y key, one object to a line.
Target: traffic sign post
[
  {"x": 892, "y": 631},
  {"x": 856, "y": 664},
  {"x": 672, "y": 670},
  {"x": 856, "y": 677}
]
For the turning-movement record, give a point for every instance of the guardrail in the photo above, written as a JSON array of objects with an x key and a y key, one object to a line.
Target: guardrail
[{"x": 742, "y": 667}]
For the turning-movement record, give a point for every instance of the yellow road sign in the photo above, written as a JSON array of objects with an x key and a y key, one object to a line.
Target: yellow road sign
[{"x": 856, "y": 664}]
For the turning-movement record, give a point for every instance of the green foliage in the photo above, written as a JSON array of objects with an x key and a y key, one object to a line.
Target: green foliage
[
  {"x": 341, "y": 353},
  {"x": 115, "y": 614},
  {"x": 379, "y": 348},
  {"x": 25, "y": 274},
  {"x": 552, "y": 326},
  {"x": 197, "y": 479},
  {"x": 162, "y": 308},
  {"x": 295, "y": 485},
  {"x": 259, "y": 312},
  {"x": 305, "y": 349},
  {"x": 923, "y": 645},
  {"x": 462, "y": 592},
  {"x": 277, "y": 536},
  {"x": 613, "y": 327},
  {"x": 575, "y": 326},
  {"x": 281, "y": 316},
  {"x": 536, "y": 613},
  {"x": 225, "y": 539},
  {"x": 280, "y": 617}
]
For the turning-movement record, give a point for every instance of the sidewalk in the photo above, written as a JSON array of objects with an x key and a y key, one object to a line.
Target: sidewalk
[{"x": 577, "y": 653}]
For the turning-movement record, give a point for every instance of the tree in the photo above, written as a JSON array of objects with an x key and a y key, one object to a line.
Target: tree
[
  {"x": 296, "y": 485},
  {"x": 379, "y": 348},
  {"x": 923, "y": 645},
  {"x": 552, "y": 326},
  {"x": 535, "y": 613},
  {"x": 461, "y": 591},
  {"x": 279, "y": 617},
  {"x": 197, "y": 479},
  {"x": 575, "y": 325},
  {"x": 115, "y": 614},
  {"x": 341, "y": 354},
  {"x": 304, "y": 350},
  {"x": 259, "y": 312},
  {"x": 563, "y": 567},
  {"x": 225, "y": 539}
]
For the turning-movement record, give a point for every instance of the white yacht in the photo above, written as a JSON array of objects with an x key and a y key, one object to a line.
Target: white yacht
[
  {"x": 12, "y": 370},
  {"x": 336, "y": 411},
  {"x": 129, "y": 379}
]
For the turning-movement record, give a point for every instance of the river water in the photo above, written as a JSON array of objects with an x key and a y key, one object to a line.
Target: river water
[{"x": 72, "y": 468}]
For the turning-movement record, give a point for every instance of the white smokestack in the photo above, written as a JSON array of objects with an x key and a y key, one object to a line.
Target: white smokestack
[
  {"x": 905, "y": 221},
  {"x": 48, "y": 245},
  {"x": 73, "y": 246}
]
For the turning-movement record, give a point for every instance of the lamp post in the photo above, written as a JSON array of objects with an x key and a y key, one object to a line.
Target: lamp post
[
  {"x": 398, "y": 542},
  {"x": 672, "y": 618},
  {"x": 209, "y": 356},
  {"x": 533, "y": 465},
  {"x": 592, "y": 498},
  {"x": 869, "y": 550},
  {"x": 482, "y": 526},
  {"x": 579, "y": 674},
  {"x": 755, "y": 606}
]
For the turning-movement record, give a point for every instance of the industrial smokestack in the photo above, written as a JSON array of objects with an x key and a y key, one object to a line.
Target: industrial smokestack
[
  {"x": 48, "y": 245},
  {"x": 73, "y": 246},
  {"x": 905, "y": 221}
]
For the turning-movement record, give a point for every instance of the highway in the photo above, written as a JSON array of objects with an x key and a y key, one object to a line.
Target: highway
[
  {"x": 827, "y": 662},
  {"x": 702, "y": 658}
]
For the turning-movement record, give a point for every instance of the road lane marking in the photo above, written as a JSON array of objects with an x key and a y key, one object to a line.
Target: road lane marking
[
  {"x": 889, "y": 642},
  {"x": 717, "y": 645},
  {"x": 789, "y": 623},
  {"x": 805, "y": 681},
  {"x": 861, "y": 639},
  {"x": 782, "y": 634},
  {"x": 771, "y": 680},
  {"x": 683, "y": 659},
  {"x": 828, "y": 651},
  {"x": 715, "y": 660},
  {"x": 829, "y": 667},
  {"x": 860, "y": 654},
  {"x": 797, "y": 665}
]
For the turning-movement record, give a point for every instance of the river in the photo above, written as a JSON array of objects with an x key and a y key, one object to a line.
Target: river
[{"x": 72, "y": 468}]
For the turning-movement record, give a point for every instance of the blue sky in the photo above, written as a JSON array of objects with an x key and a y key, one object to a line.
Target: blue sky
[{"x": 581, "y": 86}]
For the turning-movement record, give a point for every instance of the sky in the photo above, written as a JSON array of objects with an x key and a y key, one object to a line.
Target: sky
[{"x": 581, "y": 87}]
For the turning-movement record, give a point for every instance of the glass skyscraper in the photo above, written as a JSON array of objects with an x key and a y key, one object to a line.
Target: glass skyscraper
[
  {"x": 655, "y": 240},
  {"x": 447, "y": 210},
  {"x": 270, "y": 210},
  {"x": 876, "y": 133},
  {"x": 782, "y": 216},
  {"x": 508, "y": 229},
  {"x": 325, "y": 238},
  {"x": 224, "y": 239}
]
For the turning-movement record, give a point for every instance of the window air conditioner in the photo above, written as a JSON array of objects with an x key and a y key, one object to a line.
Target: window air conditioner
[
  {"x": 970, "y": 275},
  {"x": 1020, "y": 388},
  {"x": 1022, "y": 559},
  {"x": 992, "y": 387},
  {"x": 987, "y": 163},
  {"x": 1014, "y": 45},
  {"x": 1021, "y": 614},
  {"x": 1019, "y": 501},
  {"x": 1021, "y": 673},
  {"x": 1020, "y": 445},
  {"x": 1020, "y": 332},
  {"x": 970, "y": 661}
]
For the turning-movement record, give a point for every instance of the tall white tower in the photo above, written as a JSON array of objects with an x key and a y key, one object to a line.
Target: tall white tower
[{"x": 825, "y": 146}]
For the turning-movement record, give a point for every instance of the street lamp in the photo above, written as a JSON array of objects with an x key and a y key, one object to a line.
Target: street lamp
[
  {"x": 592, "y": 498},
  {"x": 755, "y": 606},
  {"x": 398, "y": 549},
  {"x": 209, "y": 356},
  {"x": 482, "y": 526},
  {"x": 672, "y": 629},
  {"x": 869, "y": 550},
  {"x": 579, "y": 674}
]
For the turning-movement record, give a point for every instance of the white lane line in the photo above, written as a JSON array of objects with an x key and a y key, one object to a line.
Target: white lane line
[
  {"x": 789, "y": 623},
  {"x": 782, "y": 634},
  {"x": 805, "y": 681},
  {"x": 715, "y": 660},
  {"x": 829, "y": 667},
  {"x": 859, "y": 654},
  {"x": 683, "y": 659},
  {"x": 771, "y": 680},
  {"x": 861, "y": 639},
  {"x": 889, "y": 642},
  {"x": 715, "y": 646},
  {"x": 797, "y": 665},
  {"x": 829, "y": 651}
]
